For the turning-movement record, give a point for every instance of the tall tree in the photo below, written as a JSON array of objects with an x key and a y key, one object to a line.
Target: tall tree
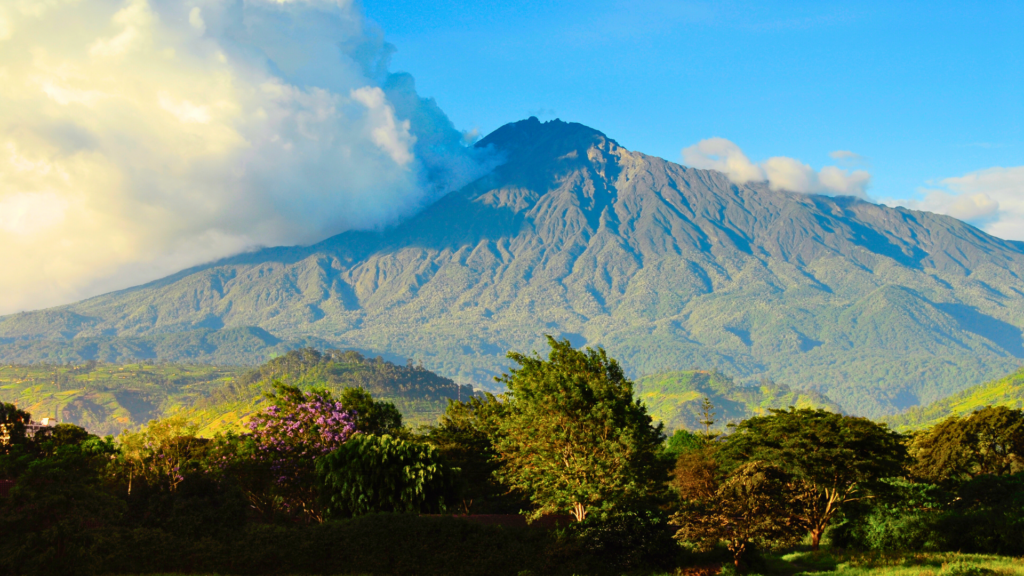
[
  {"x": 573, "y": 437},
  {"x": 747, "y": 510},
  {"x": 988, "y": 441},
  {"x": 464, "y": 436},
  {"x": 832, "y": 459},
  {"x": 371, "y": 416}
]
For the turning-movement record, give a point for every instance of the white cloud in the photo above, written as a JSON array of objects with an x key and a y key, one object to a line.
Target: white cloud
[
  {"x": 992, "y": 199},
  {"x": 138, "y": 137},
  {"x": 780, "y": 172},
  {"x": 846, "y": 155}
]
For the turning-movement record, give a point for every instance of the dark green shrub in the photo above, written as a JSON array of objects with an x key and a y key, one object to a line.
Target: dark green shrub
[
  {"x": 384, "y": 474},
  {"x": 988, "y": 516},
  {"x": 905, "y": 516},
  {"x": 626, "y": 540},
  {"x": 371, "y": 544}
]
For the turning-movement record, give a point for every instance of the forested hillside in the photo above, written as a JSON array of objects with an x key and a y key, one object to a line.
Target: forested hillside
[
  {"x": 1007, "y": 391},
  {"x": 665, "y": 266},
  {"x": 676, "y": 398},
  {"x": 107, "y": 398}
]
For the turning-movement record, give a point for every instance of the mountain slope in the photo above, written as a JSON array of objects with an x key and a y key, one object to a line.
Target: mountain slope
[
  {"x": 108, "y": 398},
  {"x": 1007, "y": 391},
  {"x": 676, "y": 398},
  {"x": 668, "y": 267}
]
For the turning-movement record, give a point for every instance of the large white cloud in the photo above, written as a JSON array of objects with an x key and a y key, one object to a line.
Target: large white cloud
[
  {"x": 782, "y": 173},
  {"x": 992, "y": 199},
  {"x": 141, "y": 136}
]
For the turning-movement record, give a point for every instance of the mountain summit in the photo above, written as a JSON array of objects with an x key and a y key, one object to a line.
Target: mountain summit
[{"x": 667, "y": 267}]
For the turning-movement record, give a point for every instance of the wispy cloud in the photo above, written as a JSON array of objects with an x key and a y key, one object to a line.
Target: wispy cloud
[
  {"x": 780, "y": 172},
  {"x": 848, "y": 159},
  {"x": 141, "y": 136}
]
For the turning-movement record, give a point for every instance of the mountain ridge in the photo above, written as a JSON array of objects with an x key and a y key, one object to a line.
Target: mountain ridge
[{"x": 666, "y": 266}]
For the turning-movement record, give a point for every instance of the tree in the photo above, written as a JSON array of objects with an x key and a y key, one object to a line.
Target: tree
[
  {"x": 573, "y": 438},
  {"x": 384, "y": 474},
  {"x": 831, "y": 459},
  {"x": 464, "y": 437},
  {"x": 681, "y": 442},
  {"x": 747, "y": 510},
  {"x": 371, "y": 416},
  {"x": 12, "y": 426},
  {"x": 45, "y": 523},
  {"x": 162, "y": 453},
  {"x": 989, "y": 441},
  {"x": 707, "y": 418},
  {"x": 274, "y": 464}
]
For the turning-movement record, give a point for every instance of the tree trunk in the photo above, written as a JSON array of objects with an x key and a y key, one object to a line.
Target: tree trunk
[{"x": 816, "y": 538}]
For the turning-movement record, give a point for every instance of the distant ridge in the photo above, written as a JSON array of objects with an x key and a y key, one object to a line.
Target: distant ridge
[
  {"x": 1007, "y": 391},
  {"x": 667, "y": 267},
  {"x": 677, "y": 398}
]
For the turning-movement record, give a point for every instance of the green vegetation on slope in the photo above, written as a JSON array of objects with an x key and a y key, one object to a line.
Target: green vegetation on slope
[
  {"x": 418, "y": 393},
  {"x": 107, "y": 398},
  {"x": 1007, "y": 391},
  {"x": 675, "y": 398}
]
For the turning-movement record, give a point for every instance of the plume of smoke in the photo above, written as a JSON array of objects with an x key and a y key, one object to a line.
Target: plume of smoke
[
  {"x": 141, "y": 136},
  {"x": 780, "y": 172}
]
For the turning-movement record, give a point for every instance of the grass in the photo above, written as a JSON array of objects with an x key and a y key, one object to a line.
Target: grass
[{"x": 839, "y": 563}]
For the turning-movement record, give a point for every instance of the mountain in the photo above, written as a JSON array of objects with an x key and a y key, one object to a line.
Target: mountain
[
  {"x": 667, "y": 267},
  {"x": 676, "y": 398},
  {"x": 1007, "y": 391}
]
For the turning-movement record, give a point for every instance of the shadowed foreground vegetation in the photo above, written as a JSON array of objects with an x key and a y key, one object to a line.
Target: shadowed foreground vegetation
[{"x": 327, "y": 479}]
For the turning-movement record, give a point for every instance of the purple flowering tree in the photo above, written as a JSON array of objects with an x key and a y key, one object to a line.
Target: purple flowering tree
[{"x": 275, "y": 462}]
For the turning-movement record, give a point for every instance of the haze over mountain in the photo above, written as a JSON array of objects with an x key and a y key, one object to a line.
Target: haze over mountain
[{"x": 667, "y": 267}]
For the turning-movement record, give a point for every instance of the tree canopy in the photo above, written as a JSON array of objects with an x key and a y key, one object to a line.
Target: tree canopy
[
  {"x": 831, "y": 458},
  {"x": 573, "y": 438},
  {"x": 988, "y": 441}
]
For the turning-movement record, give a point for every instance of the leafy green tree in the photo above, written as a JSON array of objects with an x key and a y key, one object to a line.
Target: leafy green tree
[
  {"x": 681, "y": 442},
  {"x": 162, "y": 453},
  {"x": 384, "y": 474},
  {"x": 371, "y": 416},
  {"x": 573, "y": 438},
  {"x": 52, "y": 439},
  {"x": 832, "y": 459},
  {"x": 989, "y": 441},
  {"x": 45, "y": 524},
  {"x": 12, "y": 426},
  {"x": 464, "y": 437},
  {"x": 748, "y": 510}
]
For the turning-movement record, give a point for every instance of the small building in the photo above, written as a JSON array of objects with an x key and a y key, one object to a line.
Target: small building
[{"x": 33, "y": 428}]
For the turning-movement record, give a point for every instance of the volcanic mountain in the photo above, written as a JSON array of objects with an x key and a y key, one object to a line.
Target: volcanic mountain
[{"x": 667, "y": 267}]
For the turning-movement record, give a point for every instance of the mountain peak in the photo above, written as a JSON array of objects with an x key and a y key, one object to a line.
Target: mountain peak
[{"x": 532, "y": 133}]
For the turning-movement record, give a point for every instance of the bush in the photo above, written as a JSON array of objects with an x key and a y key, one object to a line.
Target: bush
[
  {"x": 907, "y": 516},
  {"x": 626, "y": 540},
  {"x": 384, "y": 474},
  {"x": 961, "y": 568},
  {"x": 988, "y": 516}
]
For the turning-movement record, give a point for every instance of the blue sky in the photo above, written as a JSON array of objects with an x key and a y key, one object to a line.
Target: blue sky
[{"x": 923, "y": 90}]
